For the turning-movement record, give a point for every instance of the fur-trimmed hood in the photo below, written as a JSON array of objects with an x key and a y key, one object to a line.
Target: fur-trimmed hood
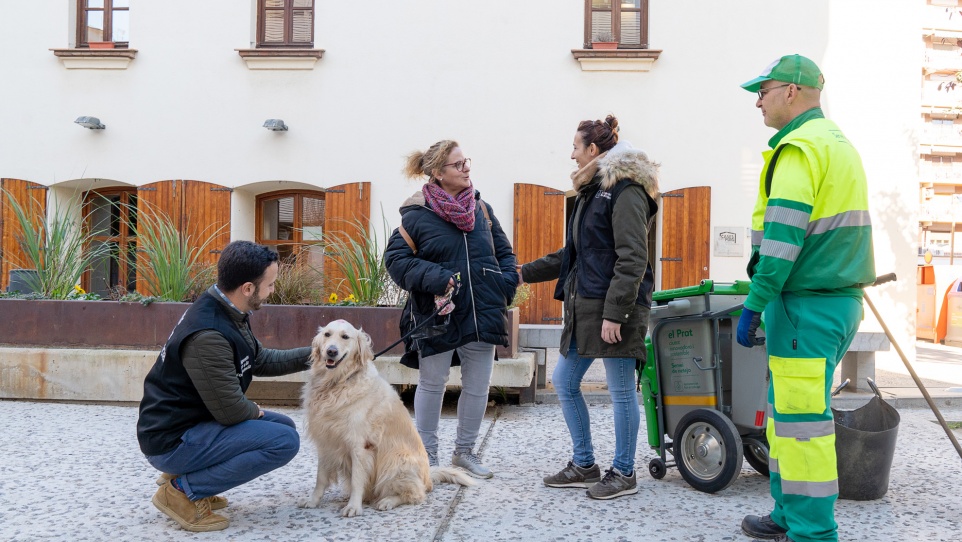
[{"x": 630, "y": 164}]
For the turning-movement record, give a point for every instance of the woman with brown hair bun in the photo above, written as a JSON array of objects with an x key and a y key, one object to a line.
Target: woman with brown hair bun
[
  {"x": 605, "y": 283},
  {"x": 450, "y": 246}
]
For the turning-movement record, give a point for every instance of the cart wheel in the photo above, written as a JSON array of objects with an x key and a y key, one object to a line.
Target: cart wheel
[
  {"x": 657, "y": 468},
  {"x": 756, "y": 453},
  {"x": 708, "y": 450}
]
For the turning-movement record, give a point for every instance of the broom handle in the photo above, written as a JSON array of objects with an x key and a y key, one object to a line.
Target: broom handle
[{"x": 918, "y": 382}]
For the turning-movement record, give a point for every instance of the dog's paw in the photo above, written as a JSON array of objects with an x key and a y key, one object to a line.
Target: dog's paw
[
  {"x": 309, "y": 502},
  {"x": 351, "y": 510},
  {"x": 387, "y": 503}
]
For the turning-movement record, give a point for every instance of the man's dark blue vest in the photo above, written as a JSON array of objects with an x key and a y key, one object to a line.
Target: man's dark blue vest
[{"x": 171, "y": 404}]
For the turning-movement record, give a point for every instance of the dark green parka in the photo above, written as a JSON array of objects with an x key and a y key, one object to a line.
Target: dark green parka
[{"x": 603, "y": 269}]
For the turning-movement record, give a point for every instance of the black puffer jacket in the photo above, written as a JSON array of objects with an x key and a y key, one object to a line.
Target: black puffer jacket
[{"x": 486, "y": 264}]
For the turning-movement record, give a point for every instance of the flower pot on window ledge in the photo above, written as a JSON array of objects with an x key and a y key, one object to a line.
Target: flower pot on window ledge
[
  {"x": 604, "y": 45},
  {"x": 100, "y": 44}
]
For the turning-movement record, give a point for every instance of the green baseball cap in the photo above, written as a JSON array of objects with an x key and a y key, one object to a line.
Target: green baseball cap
[{"x": 789, "y": 69}]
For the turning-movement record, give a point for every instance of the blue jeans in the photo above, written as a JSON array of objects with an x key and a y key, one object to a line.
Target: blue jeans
[
  {"x": 620, "y": 373},
  {"x": 212, "y": 458}
]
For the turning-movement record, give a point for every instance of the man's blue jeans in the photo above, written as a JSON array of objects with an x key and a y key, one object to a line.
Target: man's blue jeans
[
  {"x": 620, "y": 373},
  {"x": 212, "y": 458}
]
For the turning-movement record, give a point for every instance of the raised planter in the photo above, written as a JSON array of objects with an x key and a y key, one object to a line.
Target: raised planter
[{"x": 108, "y": 324}]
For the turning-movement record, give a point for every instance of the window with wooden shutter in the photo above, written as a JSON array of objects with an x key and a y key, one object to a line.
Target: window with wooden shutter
[
  {"x": 292, "y": 223},
  {"x": 539, "y": 223},
  {"x": 32, "y": 199},
  {"x": 112, "y": 220},
  {"x": 624, "y": 22},
  {"x": 103, "y": 22},
  {"x": 285, "y": 23},
  {"x": 685, "y": 236}
]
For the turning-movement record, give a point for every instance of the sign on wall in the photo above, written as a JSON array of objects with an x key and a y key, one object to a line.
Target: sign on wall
[{"x": 729, "y": 241}]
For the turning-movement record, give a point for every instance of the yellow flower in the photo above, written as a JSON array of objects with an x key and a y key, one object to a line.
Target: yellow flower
[
  {"x": 79, "y": 290},
  {"x": 333, "y": 298},
  {"x": 351, "y": 298}
]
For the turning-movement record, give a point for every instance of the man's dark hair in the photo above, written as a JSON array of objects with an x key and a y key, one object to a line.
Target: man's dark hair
[{"x": 242, "y": 261}]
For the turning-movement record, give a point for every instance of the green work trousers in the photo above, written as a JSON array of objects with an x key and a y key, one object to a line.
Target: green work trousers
[{"x": 806, "y": 338}]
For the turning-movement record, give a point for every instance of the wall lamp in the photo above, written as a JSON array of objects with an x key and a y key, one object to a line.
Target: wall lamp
[
  {"x": 275, "y": 125},
  {"x": 90, "y": 122}
]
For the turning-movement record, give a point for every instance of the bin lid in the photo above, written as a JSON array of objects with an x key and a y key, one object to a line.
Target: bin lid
[{"x": 739, "y": 287}]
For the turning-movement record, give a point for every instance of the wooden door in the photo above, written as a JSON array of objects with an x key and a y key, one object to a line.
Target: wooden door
[
  {"x": 539, "y": 223},
  {"x": 32, "y": 199},
  {"x": 206, "y": 216},
  {"x": 685, "y": 236},
  {"x": 347, "y": 207}
]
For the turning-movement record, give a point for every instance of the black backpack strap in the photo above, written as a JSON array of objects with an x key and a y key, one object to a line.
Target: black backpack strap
[{"x": 771, "y": 171}]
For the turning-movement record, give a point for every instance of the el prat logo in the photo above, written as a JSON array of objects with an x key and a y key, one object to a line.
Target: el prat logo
[{"x": 680, "y": 333}]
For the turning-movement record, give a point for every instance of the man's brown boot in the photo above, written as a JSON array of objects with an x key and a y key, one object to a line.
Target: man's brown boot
[
  {"x": 194, "y": 516},
  {"x": 216, "y": 502}
]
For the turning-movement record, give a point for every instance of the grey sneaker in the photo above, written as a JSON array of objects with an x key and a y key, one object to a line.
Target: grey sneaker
[
  {"x": 471, "y": 463},
  {"x": 432, "y": 459},
  {"x": 574, "y": 476},
  {"x": 614, "y": 484}
]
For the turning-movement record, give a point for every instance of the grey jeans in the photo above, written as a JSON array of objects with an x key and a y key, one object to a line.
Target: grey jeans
[{"x": 477, "y": 361}]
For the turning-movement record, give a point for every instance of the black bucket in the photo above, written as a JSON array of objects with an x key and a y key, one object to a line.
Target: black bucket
[{"x": 865, "y": 447}]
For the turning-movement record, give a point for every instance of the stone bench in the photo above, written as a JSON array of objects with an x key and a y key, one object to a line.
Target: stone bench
[{"x": 87, "y": 374}]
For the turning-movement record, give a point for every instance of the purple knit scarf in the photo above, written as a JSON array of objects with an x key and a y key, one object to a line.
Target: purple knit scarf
[{"x": 458, "y": 210}]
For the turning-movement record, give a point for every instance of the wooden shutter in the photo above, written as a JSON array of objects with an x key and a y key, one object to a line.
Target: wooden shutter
[
  {"x": 345, "y": 205},
  {"x": 161, "y": 197},
  {"x": 685, "y": 236},
  {"x": 197, "y": 209},
  {"x": 32, "y": 198},
  {"x": 206, "y": 215},
  {"x": 539, "y": 216}
]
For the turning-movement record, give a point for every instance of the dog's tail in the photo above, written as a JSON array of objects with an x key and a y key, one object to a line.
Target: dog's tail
[{"x": 451, "y": 475}]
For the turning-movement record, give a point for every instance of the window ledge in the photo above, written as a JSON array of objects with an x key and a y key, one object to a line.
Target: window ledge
[
  {"x": 280, "y": 59},
  {"x": 616, "y": 60},
  {"x": 95, "y": 59}
]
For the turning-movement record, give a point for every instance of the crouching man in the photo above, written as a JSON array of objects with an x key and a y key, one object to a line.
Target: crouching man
[{"x": 196, "y": 425}]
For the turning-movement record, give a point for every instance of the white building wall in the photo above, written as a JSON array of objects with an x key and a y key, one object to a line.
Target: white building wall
[{"x": 496, "y": 75}]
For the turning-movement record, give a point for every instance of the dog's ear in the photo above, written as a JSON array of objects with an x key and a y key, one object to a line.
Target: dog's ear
[
  {"x": 364, "y": 346},
  {"x": 316, "y": 344}
]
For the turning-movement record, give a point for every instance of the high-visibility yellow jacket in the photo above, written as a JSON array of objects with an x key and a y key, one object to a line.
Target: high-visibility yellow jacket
[{"x": 812, "y": 232}]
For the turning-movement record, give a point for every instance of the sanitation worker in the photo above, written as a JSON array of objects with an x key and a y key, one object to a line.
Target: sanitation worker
[{"x": 811, "y": 253}]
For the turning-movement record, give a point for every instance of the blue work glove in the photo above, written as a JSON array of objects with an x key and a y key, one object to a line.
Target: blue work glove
[{"x": 747, "y": 326}]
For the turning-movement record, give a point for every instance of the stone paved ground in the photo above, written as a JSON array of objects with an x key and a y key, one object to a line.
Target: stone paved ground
[{"x": 73, "y": 472}]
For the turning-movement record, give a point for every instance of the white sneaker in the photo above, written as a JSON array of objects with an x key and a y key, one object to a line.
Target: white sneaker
[{"x": 471, "y": 463}]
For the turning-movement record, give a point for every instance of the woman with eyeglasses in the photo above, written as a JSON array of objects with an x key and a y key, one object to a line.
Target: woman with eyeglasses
[
  {"x": 451, "y": 254},
  {"x": 605, "y": 283}
]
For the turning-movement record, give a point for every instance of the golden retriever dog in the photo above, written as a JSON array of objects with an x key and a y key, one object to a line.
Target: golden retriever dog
[{"x": 364, "y": 435}]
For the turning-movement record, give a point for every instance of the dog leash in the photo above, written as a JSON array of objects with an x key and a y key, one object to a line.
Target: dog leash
[{"x": 450, "y": 295}]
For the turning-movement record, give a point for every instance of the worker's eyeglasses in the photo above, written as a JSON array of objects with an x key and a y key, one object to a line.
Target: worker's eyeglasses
[
  {"x": 761, "y": 92},
  {"x": 460, "y": 164}
]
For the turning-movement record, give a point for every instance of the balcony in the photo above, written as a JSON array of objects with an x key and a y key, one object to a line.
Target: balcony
[
  {"x": 942, "y": 22},
  {"x": 935, "y": 211},
  {"x": 938, "y": 61},
  {"x": 941, "y": 139}
]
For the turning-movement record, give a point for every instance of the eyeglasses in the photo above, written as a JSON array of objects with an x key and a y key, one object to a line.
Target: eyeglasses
[
  {"x": 460, "y": 164},
  {"x": 761, "y": 92}
]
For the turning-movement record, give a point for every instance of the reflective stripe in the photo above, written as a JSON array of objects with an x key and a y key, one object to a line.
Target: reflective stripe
[
  {"x": 779, "y": 249},
  {"x": 789, "y": 217},
  {"x": 690, "y": 400},
  {"x": 809, "y": 489},
  {"x": 847, "y": 219},
  {"x": 770, "y": 411},
  {"x": 757, "y": 236},
  {"x": 804, "y": 429},
  {"x": 772, "y": 465}
]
